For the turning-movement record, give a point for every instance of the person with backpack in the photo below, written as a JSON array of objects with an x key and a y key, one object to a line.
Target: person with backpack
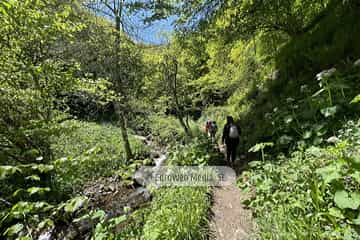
[
  {"x": 231, "y": 139},
  {"x": 211, "y": 129}
]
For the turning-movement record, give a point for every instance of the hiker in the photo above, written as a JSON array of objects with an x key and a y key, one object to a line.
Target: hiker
[
  {"x": 231, "y": 138},
  {"x": 211, "y": 129}
]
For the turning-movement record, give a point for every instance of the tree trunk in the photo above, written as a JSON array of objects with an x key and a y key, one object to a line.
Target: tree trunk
[
  {"x": 254, "y": 41},
  {"x": 183, "y": 124},
  {"x": 117, "y": 80},
  {"x": 179, "y": 112},
  {"x": 125, "y": 137},
  {"x": 123, "y": 131}
]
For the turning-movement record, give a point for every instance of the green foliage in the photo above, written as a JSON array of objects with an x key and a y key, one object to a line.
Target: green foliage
[
  {"x": 196, "y": 153},
  {"x": 175, "y": 212},
  {"x": 255, "y": 60},
  {"x": 181, "y": 212},
  {"x": 260, "y": 147},
  {"x": 178, "y": 213},
  {"x": 166, "y": 128},
  {"x": 29, "y": 115},
  {"x": 89, "y": 151},
  {"x": 25, "y": 219},
  {"x": 312, "y": 195},
  {"x": 32, "y": 75},
  {"x": 356, "y": 99}
]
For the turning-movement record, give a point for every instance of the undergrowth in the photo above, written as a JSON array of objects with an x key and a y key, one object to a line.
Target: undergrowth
[
  {"x": 88, "y": 151},
  {"x": 313, "y": 194},
  {"x": 179, "y": 213}
]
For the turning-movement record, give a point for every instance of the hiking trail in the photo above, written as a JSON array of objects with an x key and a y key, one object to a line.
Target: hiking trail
[{"x": 229, "y": 218}]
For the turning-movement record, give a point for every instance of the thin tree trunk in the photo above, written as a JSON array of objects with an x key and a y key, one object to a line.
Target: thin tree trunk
[
  {"x": 123, "y": 131},
  {"x": 125, "y": 138},
  {"x": 179, "y": 113},
  {"x": 117, "y": 79},
  {"x": 254, "y": 41}
]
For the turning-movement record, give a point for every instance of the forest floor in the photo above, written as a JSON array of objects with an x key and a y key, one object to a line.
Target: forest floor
[{"x": 230, "y": 219}]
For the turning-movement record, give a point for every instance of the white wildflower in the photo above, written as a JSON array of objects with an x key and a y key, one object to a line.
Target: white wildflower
[
  {"x": 325, "y": 74},
  {"x": 332, "y": 139}
]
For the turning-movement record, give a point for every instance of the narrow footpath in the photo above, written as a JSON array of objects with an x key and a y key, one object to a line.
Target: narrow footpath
[{"x": 230, "y": 219}]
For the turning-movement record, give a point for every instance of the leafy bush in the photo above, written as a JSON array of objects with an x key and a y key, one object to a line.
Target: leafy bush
[
  {"x": 30, "y": 79},
  {"x": 313, "y": 195},
  {"x": 31, "y": 211}
]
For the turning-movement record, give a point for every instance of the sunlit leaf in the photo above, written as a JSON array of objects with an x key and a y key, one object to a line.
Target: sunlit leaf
[
  {"x": 335, "y": 212},
  {"x": 6, "y": 171},
  {"x": 45, "y": 223},
  {"x": 119, "y": 220},
  {"x": 329, "y": 173},
  {"x": 356, "y": 99},
  {"x": 14, "y": 229},
  {"x": 285, "y": 139},
  {"x": 345, "y": 200},
  {"x": 37, "y": 190},
  {"x": 33, "y": 178}
]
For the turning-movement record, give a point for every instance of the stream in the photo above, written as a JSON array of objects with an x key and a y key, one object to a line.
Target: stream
[{"x": 108, "y": 194}]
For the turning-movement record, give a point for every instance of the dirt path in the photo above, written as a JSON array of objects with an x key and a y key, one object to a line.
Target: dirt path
[
  {"x": 230, "y": 221},
  {"x": 229, "y": 218}
]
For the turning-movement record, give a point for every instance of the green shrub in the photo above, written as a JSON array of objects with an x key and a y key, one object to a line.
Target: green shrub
[{"x": 313, "y": 195}]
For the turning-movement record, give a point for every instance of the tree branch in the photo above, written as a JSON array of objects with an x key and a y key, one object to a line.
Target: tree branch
[{"x": 113, "y": 10}]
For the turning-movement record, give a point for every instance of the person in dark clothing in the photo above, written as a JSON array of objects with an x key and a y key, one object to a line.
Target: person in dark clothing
[{"x": 231, "y": 138}]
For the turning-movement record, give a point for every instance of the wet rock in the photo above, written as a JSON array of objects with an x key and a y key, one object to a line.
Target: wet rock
[
  {"x": 143, "y": 175},
  {"x": 149, "y": 138},
  {"x": 112, "y": 187},
  {"x": 140, "y": 196},
  {"x": 160, "y": 161},
  {"x": 111, "y": 196},
  {"x": 154, "y": 154}
]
